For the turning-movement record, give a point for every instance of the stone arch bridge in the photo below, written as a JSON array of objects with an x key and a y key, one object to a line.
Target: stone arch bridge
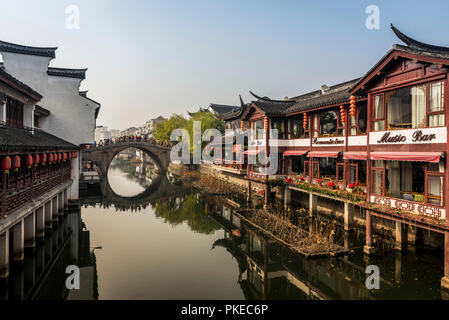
[{"x": 102, "y": 156}]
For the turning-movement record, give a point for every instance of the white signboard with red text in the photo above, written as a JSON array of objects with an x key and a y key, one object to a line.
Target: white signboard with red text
[{"x": 409, "y": 136}]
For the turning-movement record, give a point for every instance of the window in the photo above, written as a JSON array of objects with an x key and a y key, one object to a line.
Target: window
[
  {"x": 328, "y": 167},
  {"x": 406, "y": 108},
  {"x": 296, "y": 127},
  {"x": 358, "y": 124},
  {"x": 419, "y": 182},
  {"x": 306, "y": 169},
  {"x": 411, "y": 107},
  {"x": 340, "y": 172},
  {"x": 14, "y": 113},
  {"x": 328, "y": 123},
  {"x": 258, "y": 129},
  {"x": 316, "y": 170},
  {"x": 357, "y": 172},
  {"x": 436, "y": 105},
  {"x": 279, "y": 126},
  {"x": 378, "y": 177},
  {"x": 379, "y": 118}
]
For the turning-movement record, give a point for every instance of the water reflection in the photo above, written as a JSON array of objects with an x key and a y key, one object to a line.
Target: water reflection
[{"x": 170, "y": 242}]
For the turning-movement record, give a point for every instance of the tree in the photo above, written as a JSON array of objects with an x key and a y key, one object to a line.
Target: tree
[
  {"x": 163, "y": 130},
  {"x": 208, "y": 121}
]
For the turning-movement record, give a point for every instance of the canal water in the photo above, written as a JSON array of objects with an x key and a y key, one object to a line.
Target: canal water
[{"x": 176, "y": 243}]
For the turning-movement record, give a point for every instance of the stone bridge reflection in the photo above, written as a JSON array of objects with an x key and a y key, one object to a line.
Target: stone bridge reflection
[{"x": 163, "y": 186}]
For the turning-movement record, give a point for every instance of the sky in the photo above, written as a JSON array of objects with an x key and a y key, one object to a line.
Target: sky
[{"x": 148, "y": 58}]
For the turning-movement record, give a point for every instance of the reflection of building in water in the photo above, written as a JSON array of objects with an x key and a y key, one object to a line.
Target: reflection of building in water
[
  {"x": 42, "y": 273},
  {"x": 268, "y": 270}
]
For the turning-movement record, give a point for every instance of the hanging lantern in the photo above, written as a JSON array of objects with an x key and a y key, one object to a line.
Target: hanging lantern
[
  {"x": 59, "y": 157},
  {"x": 55, "y": 157},
  {"x": 75, "y": 155},
  {"x": 304, "y": 125},
  {"x": 342, "y": 114},
  {"x": 352, "y": 107},
  {"x": 16, "y": 163},
  {"x": 43, "y": 159},
  {"x": 50, "y": 158},
  {"x": 64, "y": 157},
  {"x": 36, "y": 159},
  {"x": 29, "y": 160},
  {"x": 6, "y": 164}
]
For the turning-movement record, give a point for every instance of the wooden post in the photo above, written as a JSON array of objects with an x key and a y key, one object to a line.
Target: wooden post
[
  {"x": 348, "y": 216},
  {"x": 445, "y": 279},
  {"x": 287, "y": 197},
  {"x": 368, "y": 249},
  {"x": 4, "y": 254},
  {"x": 313, "y": 204},
  {"x": 401, "y": 236},
  {"x": 4, "y": 190}
]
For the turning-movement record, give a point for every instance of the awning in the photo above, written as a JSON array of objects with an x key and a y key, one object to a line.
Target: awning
[
  {"x": 323, "y": 154},
  {"x": 407, "y": 156},
  {"x": 295, "y": 153},
  {"x": 353, "y": 155},
  {"x": 252, "y": 152}
]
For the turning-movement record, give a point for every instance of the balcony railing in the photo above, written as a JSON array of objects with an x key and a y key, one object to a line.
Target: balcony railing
[{"x": 19, "y": 188}]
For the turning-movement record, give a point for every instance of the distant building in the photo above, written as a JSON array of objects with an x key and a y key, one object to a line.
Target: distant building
[{"x": 103, "y": 132}]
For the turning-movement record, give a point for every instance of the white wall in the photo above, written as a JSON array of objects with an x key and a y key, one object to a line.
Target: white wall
[{"x": 72, "y": 117}]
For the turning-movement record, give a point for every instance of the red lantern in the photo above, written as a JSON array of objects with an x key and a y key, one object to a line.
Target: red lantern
[
  {"x": 59, "y": 157},
  {"x": 36, "y": 159},
  {"x": 75, "y": 155},
  {"x": 43, "y": 159},
  {"x": 50, "y": 158},
  {"x": 29, "y": 161},
  {"x": 342, "y": 114},
  {"x": 55, "y": 157},
  {"x": 6, "y": 164},
  {"x": 16, "y": 163},
  {"x": 64, "y": 157},
  {"x": 305, "y": 121}
]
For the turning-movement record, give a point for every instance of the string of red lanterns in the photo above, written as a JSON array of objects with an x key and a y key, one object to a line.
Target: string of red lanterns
[
  {"x": 342, "y": 114},
  {"x": 352, "y": 107},
  {"x": 304, "y": 124},
  {"x": 14, "y": 162}
]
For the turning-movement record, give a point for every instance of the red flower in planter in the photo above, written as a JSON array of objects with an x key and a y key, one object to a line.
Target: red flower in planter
[
  {"x": 301, "y": 178},
  {"x": 352, "y": 185},
  {"x": 319, "y": 181},
  {"x": 261, "y": 192},
  {"x": 289, "y": 180},
  {"x": 331, "y": 184}
]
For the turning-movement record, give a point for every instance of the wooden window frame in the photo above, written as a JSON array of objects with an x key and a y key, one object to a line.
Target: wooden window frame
[
  {"x": 307, "y": 166},
  {"x": 384, "y": 113},
  {"x": 428, "y": 173},
  {"x": 356, "y": 165},
  {"x": 429, "y": 94},
  {"x": 337, "y": 176},
  {"x": 317, "y": 163}
]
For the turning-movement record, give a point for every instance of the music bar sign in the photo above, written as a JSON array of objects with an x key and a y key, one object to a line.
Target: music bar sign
[{"x": 411, "y": 136}]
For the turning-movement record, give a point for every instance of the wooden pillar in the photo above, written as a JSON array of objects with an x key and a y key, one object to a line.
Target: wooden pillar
[
  {"x": 267, "y": 193},
  {"x": 287, "y": 197},
  {"x": 18, "y": 241},
  {"x": 30, "y": 230},
  {"x": 348, "y": 216},
  {"x": 401, "y": 236},
  {"x": 313, "y": 204},
  {"x": 40, "y": 223},
  {"x": 48, "y": 215},
  {"x": 445, "y": 279},
  {"x": 54, "y": 209},
  {"x": 4, "y": 188},
  {"x": 398, "y": 268},
  {"x": 4, "y": 254},
  {"x": 368, "y": 249},
  {"x": 248, "y": 196}
]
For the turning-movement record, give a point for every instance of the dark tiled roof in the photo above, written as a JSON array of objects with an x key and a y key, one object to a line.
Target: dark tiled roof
[
  {"x": 18, "y": 85},
  {"x": 35, "y": 51},
  {"x": 235, "y": 113},
  {"x": 273, "y": 107},
  {"x": 22, "y": 140},
  {"x": 335, "y": 94},
  {"x": 220, "y": 109},
  {"x": 68, "y": 73}
]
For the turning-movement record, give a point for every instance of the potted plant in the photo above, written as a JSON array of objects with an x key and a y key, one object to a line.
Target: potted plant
[
  {"x": 351, "y": 187},
  {"x": 331, "y": 185}
]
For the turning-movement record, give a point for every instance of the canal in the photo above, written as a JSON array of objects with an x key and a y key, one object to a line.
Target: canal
[{"x": 150, "y": 237}]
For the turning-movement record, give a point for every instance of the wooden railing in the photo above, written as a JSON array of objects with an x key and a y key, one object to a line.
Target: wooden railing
[{"x": 19, "y": 188}]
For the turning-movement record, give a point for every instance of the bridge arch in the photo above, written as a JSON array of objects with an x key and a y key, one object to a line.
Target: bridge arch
[{"x": 102, "y": 156}]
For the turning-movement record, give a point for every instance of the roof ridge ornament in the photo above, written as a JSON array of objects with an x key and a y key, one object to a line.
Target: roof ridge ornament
[
  {"x": 414, "y": 44},
  {"x": 241, "y": 101}
]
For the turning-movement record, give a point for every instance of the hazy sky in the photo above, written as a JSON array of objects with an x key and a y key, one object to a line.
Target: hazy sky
[{"x": 150, "y": 58}]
